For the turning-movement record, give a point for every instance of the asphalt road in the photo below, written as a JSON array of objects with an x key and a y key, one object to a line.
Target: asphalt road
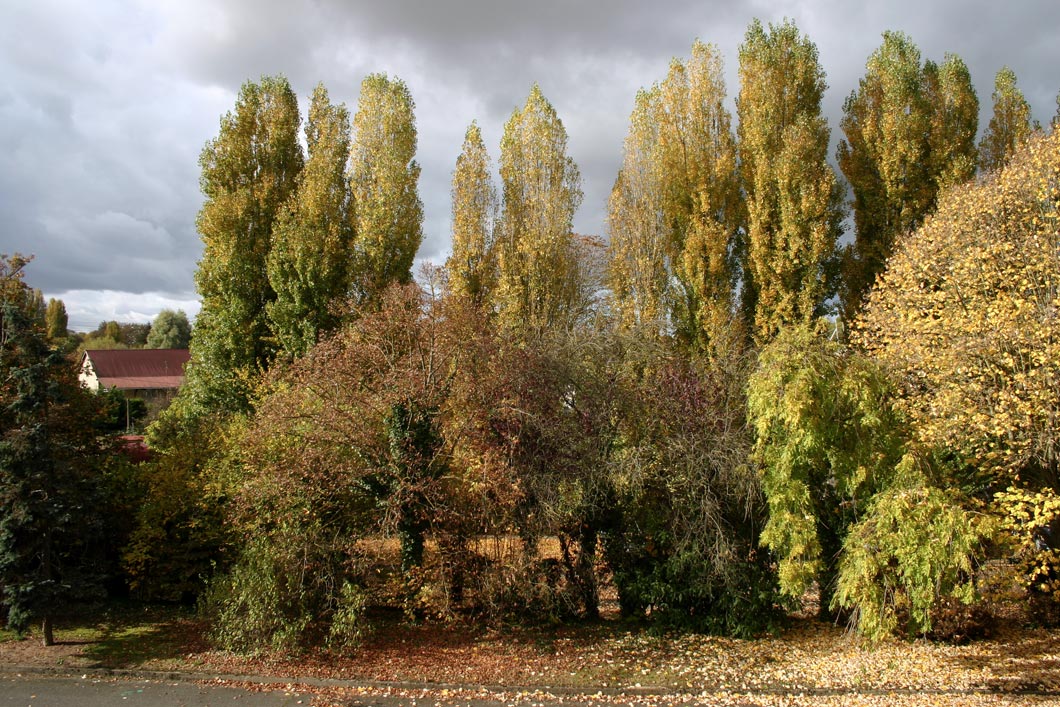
[{"x": 56, "y": 691}]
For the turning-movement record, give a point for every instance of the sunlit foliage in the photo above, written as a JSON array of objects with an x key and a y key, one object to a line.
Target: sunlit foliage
[
  {"x": 312, "y": 245},
  {"x": 794, "y": 201},
  {"x": 384, "y": 178},
  {"x": 1010, "y": 125},
  {"x": 910, "y": 130},
  {"x": 472, "y": 268},
  {"x": 538, "y": 271},
  {"x": 675, "y": 209}
]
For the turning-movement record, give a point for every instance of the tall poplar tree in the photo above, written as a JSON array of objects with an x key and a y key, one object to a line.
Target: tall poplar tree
[
  {"x": 248, "y": 172},
  {"x": 639, "y": 259},
  {"x": 701, "y": 194},
  {"x": 907, "y": 128},
  {"x": 384, "y": 178},
  {"x": 308, "y": 265},
  {"x": 56, "y": 320},
  {"x": 794, "y": 202},
  {"x": 538, "y": 268},
  {"x": 473, "y": 265},
  {"x": 675, "y": 211},
  {"x": 1010, "y": 125},
  {"x": 954, "y": 123}
]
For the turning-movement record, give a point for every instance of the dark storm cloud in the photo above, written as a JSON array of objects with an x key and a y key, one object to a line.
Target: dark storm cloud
[{"x": 105, "y": 106}]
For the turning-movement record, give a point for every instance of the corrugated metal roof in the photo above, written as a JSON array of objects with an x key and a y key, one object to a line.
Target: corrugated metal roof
[{"x": 138, "y": 368}]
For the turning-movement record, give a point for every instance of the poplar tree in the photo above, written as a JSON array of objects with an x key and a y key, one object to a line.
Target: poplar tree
[
  {"x": 384, "y": 177},
  {"x": 896, "y": 153},
  {"x": 56, "y": 320},
  {"x": 701, "y": 194},
  {"x": 638, "y": 264},
  {"x": 473, "y": 265},
  {"x": 954, "y": 123},
  {"x": 308, "y": 265},
  {"x": 538, "y": 269},
  {"x": 248, "y": 172},
  {"x": 794, "y": 203},
  {"x": 1010, "y": 125},
  {"x": 675, "y": 211}
]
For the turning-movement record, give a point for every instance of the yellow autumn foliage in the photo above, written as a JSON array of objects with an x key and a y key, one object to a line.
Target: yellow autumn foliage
[{"x": 966, "y": 316}]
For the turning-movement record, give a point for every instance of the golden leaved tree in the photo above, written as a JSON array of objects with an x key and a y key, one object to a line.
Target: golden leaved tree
[
  {"x": 967, "y": 317},
  {"x": 794, "y": 202},
  {"x": 675, "y": 211},
  {"x": 538, "y": 270},
  {"x": 910, "y": 130},
  {"x": 1010, "y": 125},
  {"x": 472, "y": 268},
  {"x": 384, "y": 178}
]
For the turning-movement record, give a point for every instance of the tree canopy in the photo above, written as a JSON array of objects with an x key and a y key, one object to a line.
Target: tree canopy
[
  {"x": 170, "y": 330},
  {"x": 384, "y": 180},
  {"x": 538, "y": 270},
  {"x": 909, "y": 130},
  {"x": 794, "y": 201},
  {"x": 311, "y": 260},
  {"x": 248, "y": 172},
  {"x": 50, "y": 481}
]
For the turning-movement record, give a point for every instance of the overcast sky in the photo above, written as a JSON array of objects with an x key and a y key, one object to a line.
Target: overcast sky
[{"x": 106, "y": 105}]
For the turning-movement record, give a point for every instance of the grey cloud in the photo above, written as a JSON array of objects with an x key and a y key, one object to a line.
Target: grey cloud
[{"x": 106, "y": 105}]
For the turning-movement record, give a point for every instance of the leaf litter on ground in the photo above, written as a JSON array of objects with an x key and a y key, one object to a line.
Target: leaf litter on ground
[{"x": 809, "y": 663}]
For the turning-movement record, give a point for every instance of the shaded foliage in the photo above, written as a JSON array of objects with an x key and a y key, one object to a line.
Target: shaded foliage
[
  {"x": 684, "y": 548},
  {"x": 50, "y": 490}
]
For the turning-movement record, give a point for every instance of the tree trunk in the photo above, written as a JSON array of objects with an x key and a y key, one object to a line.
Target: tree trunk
[
  {"x": 587, "y": 571},
  {"x": 46, "y": 629},
  {"x": 831, "y": 547}
]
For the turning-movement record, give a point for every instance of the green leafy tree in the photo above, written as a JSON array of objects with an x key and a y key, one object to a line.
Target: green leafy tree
[
  {"x": 36, "y": 307},
  {"x": 1010, "y": 125},
  {"x": 118, "y": 413},
  {"x": 794, "y": 201},
  {"x": 112, "y": 331},
  {"x": 49, "y": 480},
  {"x": 909, "y": 129},
  {"x": 825, "y": 434},
  {"x": 538, "y": 271},
  {"x": 93, "y": 342},
  {"x": 170, "y": 330},
  {"x": 312, "y": 249},
  {"x": 472, "y": 268},
  {"x": 179, "y": 537},
  {"x": 384, "y": 178},
  {"x": 134, "y": 335},
  {"x": 915, "y": 546},
  {"x": 248, "y": 172},
  {"x": 56, "y": 321}
]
